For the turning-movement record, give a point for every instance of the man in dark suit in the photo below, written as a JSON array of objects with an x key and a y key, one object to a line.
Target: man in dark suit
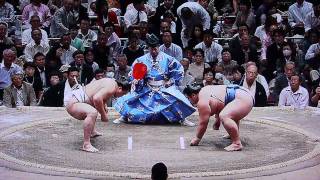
[
  {"x": 256, "y": 89},
  {"x": 85, "y": 70},
  {"x": 55, "y": 95}
]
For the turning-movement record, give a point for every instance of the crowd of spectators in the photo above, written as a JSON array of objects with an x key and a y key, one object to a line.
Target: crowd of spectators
[{"x": 270, "y": 47}]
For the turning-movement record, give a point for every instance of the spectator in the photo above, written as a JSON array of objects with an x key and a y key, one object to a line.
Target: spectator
[
  {"x": 187, "y": 78},
  {"x": 294, "y": 95},
  {"x": 90, "y": 59},
  {"x": 63, "y": 19},
  {"x": 35, "y": 24},
  {"x": 36, "y": 45},
  {"x": 159, "y": 172},
  {"x": 99, "y": 74},
  {"x": 313, "y": 54},
  {"x": 135, "y": 15},
  {"x": 170, "y": 48},
  {"x": 39, "y": 9},
  {"x": 65, "y": 51},
  {"x": 312, "y": 19},
  {"x": 80, "y": 11},
  {"x": 64, "y": 71},
  {"x": 41, "y": 71},
  {"x": 212, "y": 50},
  {"x": 133, "y": 50},
  {"x": 55, "y": 95},
  {"x": 288, "y": 54},
  {"x": 298, "y": 12},
  {"x": 9, "y": 57},
  {"x": 6, "y": 12},
  {"x": 256, "y": 89},
  {"x": 75, "y": 41},
  {"x": 85, "y": 71},
  {"x": 209, "y": 78},
  {"x": 113, "y": 41},
  {"x": 5, "y": 42},
  {"x": 190, "y": 14},
  {"x": 196, "y": 36},
  {"x": 245, "y": 15},
  {"x": 122, "y": 70},
  {"x": 102, "y": 51},
  {"x": 19, "y": 93},
  {"x": 197, "y": 68},
  {"x": 87, "y": 35},
  {"x": 29, "y": 77},
  {"x": 237, "y": 75},
  {"x": 110, "y": 70},
  {"x": 227, "y": 63},
  {"x": 315, "y": 98},
  {"x": 244, "y": 53}
]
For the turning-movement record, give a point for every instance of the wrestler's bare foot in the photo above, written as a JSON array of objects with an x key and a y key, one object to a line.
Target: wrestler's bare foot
[
  {"x": 89, "y": 148},
  {"x": 95, "y": 134},
  {"x": 234, "y": 147},
  {"x": 226, "y": 136},
  {"x": 195, "y": 142}
]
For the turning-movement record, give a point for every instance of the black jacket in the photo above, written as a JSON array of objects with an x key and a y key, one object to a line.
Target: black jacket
[
  {"x": 260, "y": 96},
  {"x": 86, "y": 75},
  {"x": 54, "y": 95}
]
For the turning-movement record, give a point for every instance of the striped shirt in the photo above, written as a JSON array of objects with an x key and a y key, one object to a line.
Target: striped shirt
[
  {"x": 174, "y": 51},
  {"x": 42, "y": 11},
  {"x": 212, "y": 53}
]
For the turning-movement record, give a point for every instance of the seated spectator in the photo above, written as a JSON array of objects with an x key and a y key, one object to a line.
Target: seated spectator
[
  {"x": 261, "y": 79},
  {"x": 87, "y": 35},
  {"x": 237, "y": 75},
  {"x": 135, "y": 15},
  {"x": 245, "y": 15},
  {"x": 209, "y": 78},
  {"x": 6, "y": 12},
  {"x": 197, "y": 68},
  {"x": 288, "y": 54},
  {"x": 170, "y": 48},
  {"x": 102, "y": 51},
  {"x": 80, "y": 11},
  {"x": 5, "y": 41},
  {"x": 312, "y": 37},
  {"x": 196, "y": 36},
  {"x": 90, "y": 59},
  {"x": 122, "y": 69},
  {"x": 227, "y": 63},
  {"x": 169, "y": 17},
  {"x": 19, "y": 93},
  {"x": 85, "y": 70},
  {"x": 41, "y": 71},
  {"x": 54, "y": 96},
  {"x": 312, "y": 20},
  {"x": 65, "y": 51},
  {"x": 64, "y": 71},
  {"x": 256, "y": 89},
  {"x": 63, "y": 19},
  {"x": 159, "y": 172},
  {"x": 98, "y": 74},
  {"x": 35, "y": 24},
  {"x": 54, "y": 79},
  {"x": 244, "y": 53},
  {"x": 39, "y": 9},
  {"x": 294, "y": 95},
  {"x": 110, "y": 70},
  {"x": 54, "y": 5},
  {"x": 212, "y": 50},
  {"x": 187, "y": 78},
  {"x": 133, "y": 50},
  {"x": 315, "y": 96},
  {"x": 148, "y": 9},
  {"x": 29, "y": 77},
  {"x": 36, "y": 45},
  {"x": 313, "y": 54},
  {"x": 298, "y": 12},
  {"x": 75, "y": 41},
  {"x": 113, "y": 40}
]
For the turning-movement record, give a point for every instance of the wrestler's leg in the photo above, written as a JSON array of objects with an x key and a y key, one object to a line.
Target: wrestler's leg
[
  {"x": 230, "y": 117},
  {"x": 83, "y": 111}
]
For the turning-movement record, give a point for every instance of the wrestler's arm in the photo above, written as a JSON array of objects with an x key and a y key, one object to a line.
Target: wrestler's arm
[
  {"x": 99, "y": 104},
  {"x": 204, "y": 115}
]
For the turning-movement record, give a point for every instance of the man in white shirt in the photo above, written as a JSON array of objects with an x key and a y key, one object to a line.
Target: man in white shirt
[
  {"x": 66, "y": 51},
  {"x": 170, "y": 48},
  {"x": 190, "y": 14},
  {"x": 36, "y": 45},
  {"x": 313, "y": 55},
  {"x": 35, "y": 24},
  {"x": 212, "y": 50},
  {"x": 297, "y": 13},
  {"x": 294, "y": 95},
  {"x": 87, "y": 35},
  {"x": 135, "y": 15},
  {"x": 312, "y": 19}
]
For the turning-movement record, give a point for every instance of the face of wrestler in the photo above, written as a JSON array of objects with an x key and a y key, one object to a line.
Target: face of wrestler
[
  {"x": 193, "y": 98},
  {"x": 72, "y": 76},
  {"x": 120, "y": 92},
  {"x": 154, "y": 51}
]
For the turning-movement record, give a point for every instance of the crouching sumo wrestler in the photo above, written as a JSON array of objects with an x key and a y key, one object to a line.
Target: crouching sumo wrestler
[{"x": 229, "y": 104}]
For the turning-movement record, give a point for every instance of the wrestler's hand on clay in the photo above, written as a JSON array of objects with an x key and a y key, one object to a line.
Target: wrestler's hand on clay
[
  {"x": 104, "y": 117},
  {"x": 216, "y": 124},
  {"x": 195, "y": 141}
]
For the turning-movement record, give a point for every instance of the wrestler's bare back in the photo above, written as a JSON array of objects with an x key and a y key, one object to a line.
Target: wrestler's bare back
[
  {"x": 216, "y": 94},
  {"x": 109, "y": 84}
]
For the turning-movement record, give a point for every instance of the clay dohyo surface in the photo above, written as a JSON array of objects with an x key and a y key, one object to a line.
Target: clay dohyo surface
[{"x": 58, "y": 143}]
